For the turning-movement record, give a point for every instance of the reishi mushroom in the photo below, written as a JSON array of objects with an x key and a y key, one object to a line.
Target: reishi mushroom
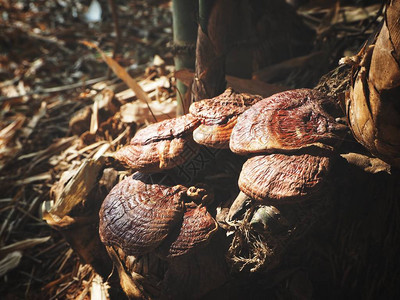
[
  {"x": 145, "y": 214},
  {"x": 218, "y": 116},
  {"x": 197, "y": 228},
  {"x": 292, "y": 137},
  {"x": 161, "y": 145},
  {"x": 282, "y": 178},
  {"x": 286, "y": 121},
  {"x": 137, "y": 216}
]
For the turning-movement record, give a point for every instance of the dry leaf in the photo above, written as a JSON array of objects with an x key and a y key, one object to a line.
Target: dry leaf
[
  {"x": 80, "y": 122},
  {"x": 105, "y": 100},
  {"x": 8, "y": 146},
  {"x": 147, "y": 86},
  {"x": 138, "y": 112},
  {"x": 8, "y": 132},
  {"x": 64, "y": 222},
  {"x": 22, "y": 245},
  {"x": 98, "y": 290},
  {"x": 121, "y": 73},
  {"x": 10, "y": 262},
  {"x": 185, "y": 75},
  {"x": 35, "y": 120},
  {"x": 94, "y": 121},
  {"x": 47, "y": 153},
  {"x": 366, "y": 163},
  {"x": 77, "y": 188},
  {"x": 39, "y": 177}
]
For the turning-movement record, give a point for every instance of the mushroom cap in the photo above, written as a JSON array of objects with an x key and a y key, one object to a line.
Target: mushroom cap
[
  {"x": 138, "y": 214},
  {"x": 286, "y": 121},
  {"x": 197, "y": 228},
  {"x": 219, "y": 109},
  {"x": 218, "y": 116},
  {"x": 166, "y": 130},
  {"x": 156, "y": 156},
  {"x": 162, "y": 145},
  {"x": 215, "y": 136},
  {"x": 281, "y": 178}
]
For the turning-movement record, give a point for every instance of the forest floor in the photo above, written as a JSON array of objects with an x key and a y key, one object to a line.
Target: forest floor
[{"x": 61, "y": 105}]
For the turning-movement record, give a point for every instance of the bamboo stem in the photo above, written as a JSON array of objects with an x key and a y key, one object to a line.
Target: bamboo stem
[{"x": 185, "y": 33}]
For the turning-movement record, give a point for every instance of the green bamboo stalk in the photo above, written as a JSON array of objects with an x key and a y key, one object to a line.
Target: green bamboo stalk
[{"x": 185, "y": 35}]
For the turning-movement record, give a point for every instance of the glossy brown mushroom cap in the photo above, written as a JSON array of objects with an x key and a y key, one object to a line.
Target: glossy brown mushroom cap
[
  {"x": 166, "y": 130},
  {"x": 137, "y": 215},
  {"x": 197, "y": 228},
  {"x": 218, "y": 116},
  {"x": 219, "y": 109},
  {"x": 161, "y": 155},
  {"x": 286, "y": 121},
  {"x": 280, "y": 178},
  {"x": 162, "y": 145},
  {"x": 215, "y": 136}
]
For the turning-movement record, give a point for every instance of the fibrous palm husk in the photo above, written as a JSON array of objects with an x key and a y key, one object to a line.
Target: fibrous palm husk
[{"x": 373, "y": 103}]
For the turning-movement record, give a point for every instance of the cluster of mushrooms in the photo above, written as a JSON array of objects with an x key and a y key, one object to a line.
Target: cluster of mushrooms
[{"x": 289, "y": 139}]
